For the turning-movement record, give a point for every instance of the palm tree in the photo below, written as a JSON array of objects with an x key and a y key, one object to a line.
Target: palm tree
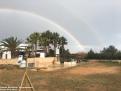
[
  {"x": 33, "y": 39},
  {"x": 63, "y": 52},
  {"x": 55, "y": 40},
  {"x": 45, "y": 40},
  {"x": 11, "y": 43},
  {"x": 62, "y": 41}
]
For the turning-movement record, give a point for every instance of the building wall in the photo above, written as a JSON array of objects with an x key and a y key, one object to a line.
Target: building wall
[
  {"x": 42, "y": 62},
  {"x": 6, "y": 55}
]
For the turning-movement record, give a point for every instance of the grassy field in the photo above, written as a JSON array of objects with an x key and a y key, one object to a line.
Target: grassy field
[{"x": 88, "y": 76}]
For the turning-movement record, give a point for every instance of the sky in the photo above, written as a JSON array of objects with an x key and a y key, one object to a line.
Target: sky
[{"x": 85, "y": 23}]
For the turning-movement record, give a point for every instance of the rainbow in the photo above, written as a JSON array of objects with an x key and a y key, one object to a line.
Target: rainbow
[
  {"x": 46, "y": 20},
  {"x": 91, "y": 29}
]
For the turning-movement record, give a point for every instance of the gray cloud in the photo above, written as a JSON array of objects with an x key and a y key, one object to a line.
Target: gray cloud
[{"x": 95, "y": 23}]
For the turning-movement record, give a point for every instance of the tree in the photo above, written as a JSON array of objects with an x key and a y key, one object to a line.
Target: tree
[
  {"x": 33, "y": 39},
  {"x": 90, "y": 55},
  {"x": 62, "y": 41},
  {"x": 63, "y": 52},
  {"x": 11, "y": 43},
  {"x": 55, "y": 40},
  {"x": 109, "y": 53},
  {"x": 65, "y": 55},
  {"x": 45, "y": 40}
]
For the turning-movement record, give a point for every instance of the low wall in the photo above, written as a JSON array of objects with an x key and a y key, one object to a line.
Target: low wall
[
  {"x": 42, "y": 62},
  {"x": 70, "y": 64},
  {"x": 8, "y": 61},
  {"x": 38, "y": 62}
]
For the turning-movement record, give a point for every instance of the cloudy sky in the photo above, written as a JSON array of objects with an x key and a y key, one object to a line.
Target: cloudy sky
[{"x": 85, "y": 23}]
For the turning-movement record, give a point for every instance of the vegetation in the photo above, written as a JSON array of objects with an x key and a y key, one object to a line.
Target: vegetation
[
  {"x": 49, "y": 41},
  {"x": 33, "y": 40},
  {"x": 46, "y": 40},
  {"x": 110, "y": 53},
  {"x": 11, "y": 43}
]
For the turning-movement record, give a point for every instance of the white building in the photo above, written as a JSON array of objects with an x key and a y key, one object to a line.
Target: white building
[
  {"x": 39, "y": 51},
  {"x": 6, "y": 54}
]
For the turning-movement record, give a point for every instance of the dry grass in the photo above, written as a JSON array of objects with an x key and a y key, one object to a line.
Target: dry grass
[
  {"x": 94, "y": 68},
  {"x": 84, "y": 77}
]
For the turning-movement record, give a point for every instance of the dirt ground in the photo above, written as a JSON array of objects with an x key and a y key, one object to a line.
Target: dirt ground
[
  {"x": 87, "y": 76},
  {"x": 94, "y": 68}
]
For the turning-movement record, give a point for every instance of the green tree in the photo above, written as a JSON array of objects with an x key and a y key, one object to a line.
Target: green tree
[
  {"x": 45, "y": 40},
  {"x": 62, "y": 41},
  {"x": 63, "y": 53},
  {"x": 11, "y": 43},
  {"x": 109, "y": 53},
  {"x": 55, "y": 40},
  {"x": 91, "y": 54},
  {"x": 33, "y": 39}
]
